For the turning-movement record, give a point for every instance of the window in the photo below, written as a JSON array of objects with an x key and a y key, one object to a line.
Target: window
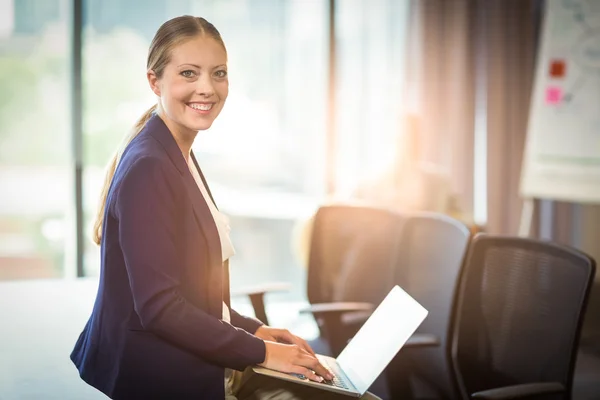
[
  {"x": 36, "y": 201},
  {"x": 264, "y": 156},
  {"x": 370, "y": 96}
]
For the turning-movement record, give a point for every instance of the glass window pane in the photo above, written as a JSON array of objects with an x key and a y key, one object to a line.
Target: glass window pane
[
  {"x": 36, "y": 200},
  {"x": 371, "y": 41}
]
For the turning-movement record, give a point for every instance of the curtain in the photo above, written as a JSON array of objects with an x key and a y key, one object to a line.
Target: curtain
[
  {"x": 510, "y": 31},
  {"x": 440, "y": 78},
  {"x": 475, "y": 60}
]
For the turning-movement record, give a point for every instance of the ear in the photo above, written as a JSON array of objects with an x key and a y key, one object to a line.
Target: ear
[{"x": 153, "y": 81}]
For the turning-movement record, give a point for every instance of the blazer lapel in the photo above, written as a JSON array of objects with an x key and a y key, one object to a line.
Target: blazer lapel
[
  {"x": 203, "y": 179},
  {"x": 204, "y": 218}
]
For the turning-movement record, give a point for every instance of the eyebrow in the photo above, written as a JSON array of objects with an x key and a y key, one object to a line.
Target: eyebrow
[{"x": 199, "y": 67}]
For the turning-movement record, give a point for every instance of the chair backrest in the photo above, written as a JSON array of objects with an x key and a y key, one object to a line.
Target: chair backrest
[
  {"x": 352, "y": 254},
  {"x": 431, "y": 254},
  {"x": 519, "y": 313}
]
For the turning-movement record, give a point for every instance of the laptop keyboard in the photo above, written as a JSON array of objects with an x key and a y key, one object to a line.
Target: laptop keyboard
[{"x": 338, "y": 377}]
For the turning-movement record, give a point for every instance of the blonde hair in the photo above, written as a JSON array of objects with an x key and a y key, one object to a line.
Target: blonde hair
[{"x": 169, "y": 35}]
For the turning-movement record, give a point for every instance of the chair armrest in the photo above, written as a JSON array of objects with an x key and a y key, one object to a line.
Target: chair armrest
[
  {"x": 522, "y": 391},
  {"x": 337, "y": 308},
  {"x": 330, "y": 317},
  {"x": 262, "y": 289},
  {"x": 422, "y": 340},
  {"x": 257, "y": 297}
]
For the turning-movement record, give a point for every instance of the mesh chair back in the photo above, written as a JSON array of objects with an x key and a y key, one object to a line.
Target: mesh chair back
[
  {"x": 432, "y": 251},
  {"x": 519, "y": 313},
  {"x": 352, "y": 254}
]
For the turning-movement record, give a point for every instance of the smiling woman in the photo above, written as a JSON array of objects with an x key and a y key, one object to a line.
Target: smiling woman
[
  {"x": 195, "y": 44},
  {"x": 163, "y": 296}
]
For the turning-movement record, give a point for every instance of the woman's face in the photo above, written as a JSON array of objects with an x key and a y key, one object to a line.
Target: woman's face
[{"x": 194, "y": 85}]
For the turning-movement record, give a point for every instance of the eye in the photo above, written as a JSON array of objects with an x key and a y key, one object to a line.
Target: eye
[
  {"x": 188, "y": 73},
  {"x": 221, "y": 73}
]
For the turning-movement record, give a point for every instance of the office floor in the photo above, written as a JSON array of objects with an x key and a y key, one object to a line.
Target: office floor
[
  {"x": 587, "y": 375},
  {"x": 587, "y": 371},
  {"x": 40, "y": 321}
]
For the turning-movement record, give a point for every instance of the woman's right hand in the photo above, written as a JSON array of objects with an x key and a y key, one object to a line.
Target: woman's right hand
[{"x": 291, "y": 358}]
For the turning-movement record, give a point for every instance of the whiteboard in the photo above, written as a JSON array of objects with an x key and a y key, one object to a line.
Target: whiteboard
[{"x": 562, "y": 150}]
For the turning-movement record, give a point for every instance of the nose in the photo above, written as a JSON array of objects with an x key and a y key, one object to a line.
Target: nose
[{"x": 204, "y": 86}]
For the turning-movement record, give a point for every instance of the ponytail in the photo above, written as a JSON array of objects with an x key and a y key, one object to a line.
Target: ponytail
[{"x": 110, "y": 173}]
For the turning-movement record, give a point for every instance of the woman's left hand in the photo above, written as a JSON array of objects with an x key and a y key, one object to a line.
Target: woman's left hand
[{"x": 282, "y": 336}]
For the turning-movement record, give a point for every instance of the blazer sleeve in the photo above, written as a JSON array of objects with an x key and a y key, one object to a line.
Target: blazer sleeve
[
  {"x": 146, "y": 209},
  {"x": 246, "y": 323}
]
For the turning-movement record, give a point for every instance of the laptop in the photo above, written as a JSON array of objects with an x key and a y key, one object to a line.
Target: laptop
[{"x": 370, "y": 350}]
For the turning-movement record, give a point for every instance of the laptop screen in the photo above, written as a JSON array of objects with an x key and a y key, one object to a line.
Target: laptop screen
[{"x": 380, "y": 338}]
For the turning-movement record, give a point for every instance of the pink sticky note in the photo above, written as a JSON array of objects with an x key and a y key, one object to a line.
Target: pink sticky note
[{"x": 553, "y": 95}]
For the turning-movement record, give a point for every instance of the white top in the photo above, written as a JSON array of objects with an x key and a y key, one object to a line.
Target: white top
[
  {"x": 221, "y": 219},
  {"x": 227, "y": 250}
]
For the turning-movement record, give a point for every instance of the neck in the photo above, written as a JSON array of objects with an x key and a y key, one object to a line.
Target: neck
[{"x": 183, "y": 137}]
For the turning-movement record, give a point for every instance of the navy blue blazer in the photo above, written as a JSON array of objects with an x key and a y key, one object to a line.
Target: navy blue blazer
[{"x": 156, "y": 331}]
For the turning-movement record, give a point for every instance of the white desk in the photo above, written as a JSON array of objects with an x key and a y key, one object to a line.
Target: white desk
[{"x": 40, "y": 322}]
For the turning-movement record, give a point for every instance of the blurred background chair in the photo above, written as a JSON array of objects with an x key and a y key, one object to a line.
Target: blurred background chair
[
  {"x": 431, "y": 253},
  {"x": 520, "y": 308},
  {"x": 351, "y": 262},
  {"x": 256, "y": 294},
  {"x": 353, "y": 253}
]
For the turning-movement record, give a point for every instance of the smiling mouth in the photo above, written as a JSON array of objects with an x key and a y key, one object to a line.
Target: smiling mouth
[{"x": 201, "y": 107}]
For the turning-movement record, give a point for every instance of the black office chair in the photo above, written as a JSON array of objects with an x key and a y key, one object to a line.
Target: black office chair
[
  {"x": 353, "y": 253},
  {"x": 431, "y": 253},
  {"x": 351, "y": 264},
  {"x": 520, "y": 308}
]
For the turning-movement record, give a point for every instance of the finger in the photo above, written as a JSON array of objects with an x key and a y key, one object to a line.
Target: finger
[
  {"x": 287, "y": 337},
  {"x": 313, "y": 364},
  {"x": 304, "y": 344},
  {"x": 298, "y": 341},
  {"x": 296, "y": 369}
]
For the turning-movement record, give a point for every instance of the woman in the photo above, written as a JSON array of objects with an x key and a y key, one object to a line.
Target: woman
[{"x": 161, "y": 326}]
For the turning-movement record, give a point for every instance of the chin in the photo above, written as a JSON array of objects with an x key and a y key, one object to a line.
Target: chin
[{"x": 199, "y": 125}]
